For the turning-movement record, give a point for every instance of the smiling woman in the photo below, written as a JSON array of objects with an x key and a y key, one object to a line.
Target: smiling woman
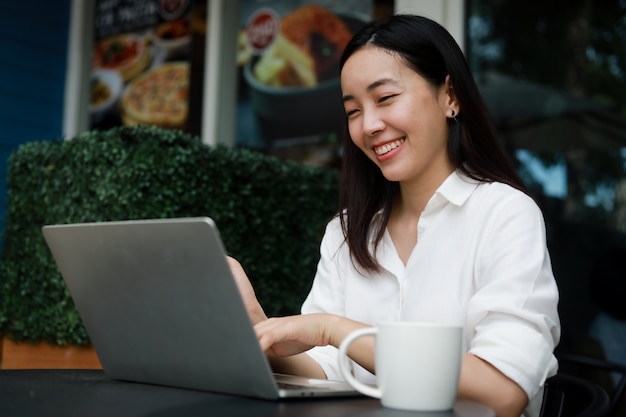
[
  {"x": 434, "y": 225},
  {"x": 387, "y": 102}
]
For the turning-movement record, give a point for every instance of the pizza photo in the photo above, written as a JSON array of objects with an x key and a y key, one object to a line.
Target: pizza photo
[{"x": 158, "y": 97}]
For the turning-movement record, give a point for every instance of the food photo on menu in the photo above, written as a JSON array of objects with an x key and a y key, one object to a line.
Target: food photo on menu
[
  {"x": 289, "y": 95},
  {"x": 142, "y": 76}
]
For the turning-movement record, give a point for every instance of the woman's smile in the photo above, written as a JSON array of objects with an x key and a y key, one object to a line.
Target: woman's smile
[{"x": 385, "y": 148}]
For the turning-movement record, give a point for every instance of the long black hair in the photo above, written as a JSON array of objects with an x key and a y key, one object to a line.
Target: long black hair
[{"x": 473, "y": 146}]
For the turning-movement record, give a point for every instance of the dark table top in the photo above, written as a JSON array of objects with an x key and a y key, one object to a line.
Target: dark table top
[{"x": 90, "y": 393}]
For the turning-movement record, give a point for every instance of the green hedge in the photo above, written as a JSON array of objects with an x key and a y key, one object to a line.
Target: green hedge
[{"x": 271, "y": 214}]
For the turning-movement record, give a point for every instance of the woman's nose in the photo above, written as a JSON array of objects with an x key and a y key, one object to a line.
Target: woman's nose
[{"x": 372, "y": 123}]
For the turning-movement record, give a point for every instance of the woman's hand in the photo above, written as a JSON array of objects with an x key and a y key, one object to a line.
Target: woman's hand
[
  {"x": 288, "y": 336},
  {"x": 255, "y": 311},
  {"x": 284, "y": 338}
]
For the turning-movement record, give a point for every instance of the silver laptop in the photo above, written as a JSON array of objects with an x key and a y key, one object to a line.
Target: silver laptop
[{"x": 160, "y": 305}]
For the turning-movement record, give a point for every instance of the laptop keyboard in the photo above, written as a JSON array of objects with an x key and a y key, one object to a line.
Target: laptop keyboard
[{"x": 288, "y": 386}]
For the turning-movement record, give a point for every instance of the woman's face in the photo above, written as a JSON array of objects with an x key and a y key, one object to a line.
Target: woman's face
[{"x": 396, "y": 117}]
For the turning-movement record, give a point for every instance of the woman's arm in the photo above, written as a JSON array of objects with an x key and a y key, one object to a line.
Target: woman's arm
[
  {"x": 513, "y": 312},
  {"x": 284, "y": 339},
  {"x": 481, "y": 382}
]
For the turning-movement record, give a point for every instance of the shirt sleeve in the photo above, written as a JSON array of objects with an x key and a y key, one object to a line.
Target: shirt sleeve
[{"x": 514, "y": 309}]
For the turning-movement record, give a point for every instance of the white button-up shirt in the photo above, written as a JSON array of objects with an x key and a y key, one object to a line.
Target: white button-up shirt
[{"x": 481, "y": 261}]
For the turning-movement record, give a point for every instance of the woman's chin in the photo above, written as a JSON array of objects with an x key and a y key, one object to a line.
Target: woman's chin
[{"x": 393, "y": 175}]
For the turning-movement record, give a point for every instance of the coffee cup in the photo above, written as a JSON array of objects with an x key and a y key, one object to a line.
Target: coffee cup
[{"x": 417, "y": 365}]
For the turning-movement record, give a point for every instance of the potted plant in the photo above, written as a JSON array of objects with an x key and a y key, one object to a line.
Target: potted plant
[{"x": 146, "y": 172}]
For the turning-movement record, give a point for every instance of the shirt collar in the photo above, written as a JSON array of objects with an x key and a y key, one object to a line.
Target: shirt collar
[{"x": 457, "y": 188}]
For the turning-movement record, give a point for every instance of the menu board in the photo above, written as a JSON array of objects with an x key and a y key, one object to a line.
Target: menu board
[
  {"x": 144, "y": 58},
  {"x": 289, "y": 95}
]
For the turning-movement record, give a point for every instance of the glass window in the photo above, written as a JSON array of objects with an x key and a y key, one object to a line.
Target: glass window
[{"x": 553, "y": 75}]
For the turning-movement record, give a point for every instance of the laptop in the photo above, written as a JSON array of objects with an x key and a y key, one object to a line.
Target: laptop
[{"x": 161, "y": 306}]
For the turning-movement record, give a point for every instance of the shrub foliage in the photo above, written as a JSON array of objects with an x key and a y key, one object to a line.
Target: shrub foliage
[{"x": 271, "y": 214}]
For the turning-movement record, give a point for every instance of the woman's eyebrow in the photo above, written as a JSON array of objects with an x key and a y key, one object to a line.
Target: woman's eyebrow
[
  {"x": 378, "y": 83},
  {"x": 347, "y": 97},
  {"x": 371, "y": 87}
]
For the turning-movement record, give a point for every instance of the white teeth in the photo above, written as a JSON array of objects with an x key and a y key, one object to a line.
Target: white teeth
[{"x": 381, "y": 150}]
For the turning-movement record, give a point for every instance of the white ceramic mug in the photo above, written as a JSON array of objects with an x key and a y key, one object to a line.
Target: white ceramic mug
[{"x": 417, "y": 365}]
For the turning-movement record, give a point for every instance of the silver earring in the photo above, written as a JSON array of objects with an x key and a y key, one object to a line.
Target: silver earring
[{"x": 453, "y": 115}]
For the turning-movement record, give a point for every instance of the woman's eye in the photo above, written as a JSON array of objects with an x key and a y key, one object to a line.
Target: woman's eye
[
  {"x": 385, "y": 98},
  {"x": 350, "y": 113}
]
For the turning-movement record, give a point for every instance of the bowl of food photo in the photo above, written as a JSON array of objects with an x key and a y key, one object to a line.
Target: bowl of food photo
[
  {"x": 172, "y": 38},
  {"x": 295, "y": 81},
  {"x": 105, "y": 89},
  {"x": 128, "y": 54}
]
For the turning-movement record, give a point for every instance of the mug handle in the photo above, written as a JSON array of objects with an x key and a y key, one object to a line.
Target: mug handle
[{"x": 344, "y": 364}]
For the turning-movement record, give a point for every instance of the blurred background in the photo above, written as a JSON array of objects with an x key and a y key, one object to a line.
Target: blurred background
[{"x": 553, "y": 75}]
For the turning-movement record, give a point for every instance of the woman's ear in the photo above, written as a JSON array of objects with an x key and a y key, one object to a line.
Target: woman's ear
[{"x": 453, "y": 108}]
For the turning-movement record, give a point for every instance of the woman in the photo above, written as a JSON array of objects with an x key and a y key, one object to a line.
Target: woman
[{"x": 435, "y": 225}]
